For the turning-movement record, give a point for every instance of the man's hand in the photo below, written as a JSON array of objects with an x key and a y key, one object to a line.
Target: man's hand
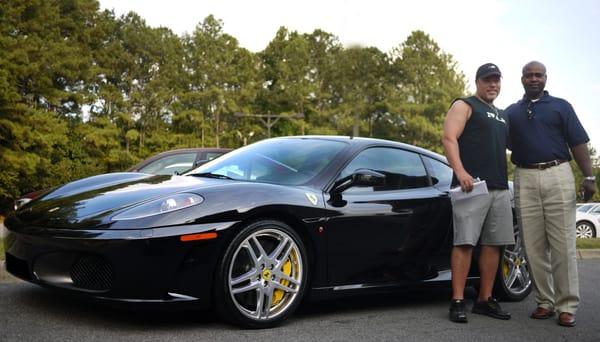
[
  {"x": 466, "y": 181},
  {"x": 589, "y": 188}
]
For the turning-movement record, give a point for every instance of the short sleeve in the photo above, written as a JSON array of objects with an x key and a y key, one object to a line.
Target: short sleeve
[{"x": 574, "y": 131}]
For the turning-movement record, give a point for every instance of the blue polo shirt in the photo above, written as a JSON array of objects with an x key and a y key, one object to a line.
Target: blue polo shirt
[{"x": 546, "y": 133}]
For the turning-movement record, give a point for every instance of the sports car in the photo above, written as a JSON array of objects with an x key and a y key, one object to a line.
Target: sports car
[{"x": 254, "y": 232}]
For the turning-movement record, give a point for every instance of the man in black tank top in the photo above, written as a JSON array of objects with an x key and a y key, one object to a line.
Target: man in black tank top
[{"x": 475, "y": 136}]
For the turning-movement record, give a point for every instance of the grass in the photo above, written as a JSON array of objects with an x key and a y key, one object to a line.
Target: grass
[
  {"x": 588, "y": 243},
  {"x": 1, "y": 241},
  {"x": 1, "y": 249}
]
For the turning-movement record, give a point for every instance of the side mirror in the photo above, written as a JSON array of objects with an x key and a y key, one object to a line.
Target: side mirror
[{"x": 360, "y": 177}]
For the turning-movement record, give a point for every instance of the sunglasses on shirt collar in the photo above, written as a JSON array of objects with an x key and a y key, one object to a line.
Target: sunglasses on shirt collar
[{"x": 530, "y": 112}]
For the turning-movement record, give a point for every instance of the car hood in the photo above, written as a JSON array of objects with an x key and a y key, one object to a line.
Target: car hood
[{"x": 70, "y": 205}]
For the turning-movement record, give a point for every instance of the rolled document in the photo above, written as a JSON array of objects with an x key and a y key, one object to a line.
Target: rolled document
[{"x": 479, "y": 188}]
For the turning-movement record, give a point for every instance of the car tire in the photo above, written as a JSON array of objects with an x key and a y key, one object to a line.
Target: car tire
[
  {"x": 513, "y": 278},
  {"x": 585, "y": 230},
  {"x": 262, "y": 275}
]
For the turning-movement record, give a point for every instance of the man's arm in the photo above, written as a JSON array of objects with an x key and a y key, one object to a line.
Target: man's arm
[
  {"x": 582, "y": 157},
  {"x": 454, "y": 125}
]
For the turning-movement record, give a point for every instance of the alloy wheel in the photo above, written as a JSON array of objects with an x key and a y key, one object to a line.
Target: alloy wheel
[
  {"x": 584, "y": 230},
  {"x": 515, "y": 269},
  {"x": 265, "y": 274}
]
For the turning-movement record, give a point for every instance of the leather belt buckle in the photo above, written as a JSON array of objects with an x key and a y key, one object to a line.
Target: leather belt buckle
[{"x": 543, "y": 166}]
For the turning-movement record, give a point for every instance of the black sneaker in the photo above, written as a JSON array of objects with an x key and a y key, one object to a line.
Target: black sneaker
[
  {"x": 490, "y": 308},
  {"x": 458, "y": 312}
]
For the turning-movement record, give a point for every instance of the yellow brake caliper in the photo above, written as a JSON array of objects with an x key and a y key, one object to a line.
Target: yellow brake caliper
[{"x": 278, "y": 294}]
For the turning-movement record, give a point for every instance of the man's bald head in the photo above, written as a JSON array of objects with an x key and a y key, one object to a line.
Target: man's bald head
[
  {"x": 532, "y": 64},
  {"x": 534, "y": 79}
]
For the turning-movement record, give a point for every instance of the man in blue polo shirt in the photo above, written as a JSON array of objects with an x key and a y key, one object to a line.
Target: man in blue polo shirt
[{"x": 542, "y": 129}]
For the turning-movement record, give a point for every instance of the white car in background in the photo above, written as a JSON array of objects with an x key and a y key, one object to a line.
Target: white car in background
[{"x": 587, "y": 220}]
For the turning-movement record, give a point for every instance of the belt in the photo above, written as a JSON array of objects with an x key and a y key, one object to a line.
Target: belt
[{"x": 542, "y": 166}]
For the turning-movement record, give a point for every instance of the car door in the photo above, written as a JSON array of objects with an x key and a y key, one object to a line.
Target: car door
[{"x": 390, "y": 233}]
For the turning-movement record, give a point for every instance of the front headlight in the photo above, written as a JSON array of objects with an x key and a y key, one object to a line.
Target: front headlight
[
  {"x": 21, "y": 202},
  {"x": 160, "y": 206}
]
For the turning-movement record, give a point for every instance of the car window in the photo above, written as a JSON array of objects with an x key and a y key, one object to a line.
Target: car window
[
  {"x": 168, "y": 165},
  {"x": 402, "y": 169},
  {"x": 596, "y": 210},
  {"x": 584, "y": 208},
  {"x": 441, "y": 173}
]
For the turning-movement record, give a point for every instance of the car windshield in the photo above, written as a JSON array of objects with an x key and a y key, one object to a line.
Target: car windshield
[
  {"x": 287, "y": 161},
  {"x": 584, "y": 208}
]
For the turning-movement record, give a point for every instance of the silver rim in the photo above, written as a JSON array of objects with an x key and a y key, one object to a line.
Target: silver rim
[
  {"x": 515, "y": 270},
  {"x": 584, "y": 231},
  {"x": 265, "y": 274}
]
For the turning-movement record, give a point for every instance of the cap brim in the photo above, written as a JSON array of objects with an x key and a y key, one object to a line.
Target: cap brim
[{"x": 492, "y": 73}]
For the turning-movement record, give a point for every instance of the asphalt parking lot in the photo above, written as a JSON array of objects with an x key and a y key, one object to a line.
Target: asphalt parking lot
[{"x": 31, "y": 313}]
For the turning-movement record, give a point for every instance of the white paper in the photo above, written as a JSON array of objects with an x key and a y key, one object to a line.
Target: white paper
[{"x": 479, "y": 188}]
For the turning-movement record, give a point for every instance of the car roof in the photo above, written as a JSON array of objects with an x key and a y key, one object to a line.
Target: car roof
[
  {"x": 363, "y": 142},
  {"x": 194, "y": 149}
]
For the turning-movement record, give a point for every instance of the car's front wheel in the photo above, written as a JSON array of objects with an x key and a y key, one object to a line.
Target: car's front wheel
[
  {"x": 262, "y": 275},
  {"x": 584, "y": 230},
  {"x": 513, "y": 280}
]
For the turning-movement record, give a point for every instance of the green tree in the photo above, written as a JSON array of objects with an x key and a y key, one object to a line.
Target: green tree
[
  {"x": 44, "y": 63},
  {"x": 361, "y": 89},
  {"x": 221, "y": 78},
  {"x": 427, "y": 80},
  {"x": 323, "y": 50}
]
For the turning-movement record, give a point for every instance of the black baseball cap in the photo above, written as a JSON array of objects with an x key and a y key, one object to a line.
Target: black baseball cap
[{"x": 488, "y": 69}]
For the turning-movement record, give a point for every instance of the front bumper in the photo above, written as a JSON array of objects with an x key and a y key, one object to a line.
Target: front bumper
[{"x": 146, "y": 265}]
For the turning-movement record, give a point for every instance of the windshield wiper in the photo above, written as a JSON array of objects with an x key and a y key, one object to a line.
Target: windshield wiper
[{"x": 210, "y": 175}]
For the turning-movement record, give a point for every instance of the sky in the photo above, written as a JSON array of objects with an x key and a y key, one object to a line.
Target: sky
[{"x": 564, "y": 35}]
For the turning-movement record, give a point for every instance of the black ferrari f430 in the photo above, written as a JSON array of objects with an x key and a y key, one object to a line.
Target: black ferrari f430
[{"x": 254, "y": 232}]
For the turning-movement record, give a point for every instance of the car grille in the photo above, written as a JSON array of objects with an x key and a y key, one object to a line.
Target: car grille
[{"x": 92, "y": 273}]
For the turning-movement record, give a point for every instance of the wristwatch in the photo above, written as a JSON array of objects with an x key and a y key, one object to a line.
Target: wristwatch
[{"x": 590, "y": 178}]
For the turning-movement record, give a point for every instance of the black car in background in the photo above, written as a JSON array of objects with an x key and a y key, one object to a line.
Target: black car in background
[
  {"x": 177, "y": 161},
  {"x": 255, "y": 231}
]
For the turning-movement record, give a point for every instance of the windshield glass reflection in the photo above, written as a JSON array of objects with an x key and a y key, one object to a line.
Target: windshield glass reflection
[{"x": 286, "y": 161}]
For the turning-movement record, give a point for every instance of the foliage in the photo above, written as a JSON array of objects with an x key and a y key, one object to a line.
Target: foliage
[{"x": 83, "y": 91}]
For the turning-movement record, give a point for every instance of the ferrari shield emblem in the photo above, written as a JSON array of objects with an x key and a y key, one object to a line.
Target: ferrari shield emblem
[{"x": 312, "y": 198}]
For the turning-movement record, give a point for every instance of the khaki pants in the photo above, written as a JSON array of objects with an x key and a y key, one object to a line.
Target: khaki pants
[{"x": 545, "y": 201}]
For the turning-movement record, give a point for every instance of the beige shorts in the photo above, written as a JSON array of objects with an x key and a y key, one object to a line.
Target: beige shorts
[{"x": 486, "y": 218}]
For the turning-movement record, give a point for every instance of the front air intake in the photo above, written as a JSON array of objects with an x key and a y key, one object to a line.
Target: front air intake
[{"x": 92, "y": 273}]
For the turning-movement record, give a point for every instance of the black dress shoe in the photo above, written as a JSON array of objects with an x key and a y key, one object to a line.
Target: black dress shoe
[
  {"x": 458, "y": 312},
  {"x": 490, "y": 308}
]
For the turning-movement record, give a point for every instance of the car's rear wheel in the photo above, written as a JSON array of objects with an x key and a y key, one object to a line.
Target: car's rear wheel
[
  {"x": 262, "y": 275},
  {"x": 513, "y": 280},
  {"x": 584, "y": 230}
]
